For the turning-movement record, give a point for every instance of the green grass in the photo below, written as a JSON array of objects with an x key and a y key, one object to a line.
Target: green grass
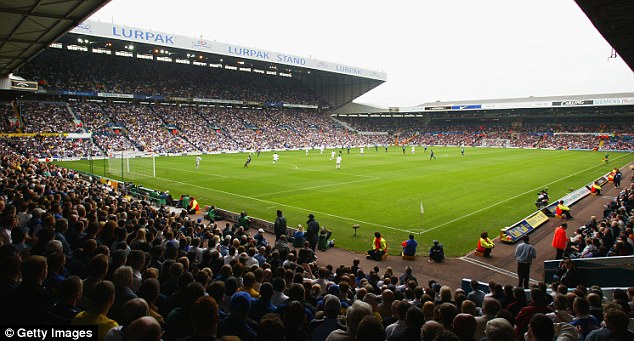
[{"x": 485, "y": 190}]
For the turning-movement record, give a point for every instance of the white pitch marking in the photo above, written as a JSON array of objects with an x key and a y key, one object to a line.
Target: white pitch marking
[
  {"x": 280, "y": 204},
  {"x": 509, "y": 199}
]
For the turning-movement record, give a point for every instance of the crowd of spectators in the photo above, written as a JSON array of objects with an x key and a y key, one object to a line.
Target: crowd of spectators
[
  {"x": 160, "y": 128},
  {"x": 77, "y": 71},
  {"x": 610, "y": 235},
  {"x": 75, "y": 251},
  {"x": 46, "y": 117}
]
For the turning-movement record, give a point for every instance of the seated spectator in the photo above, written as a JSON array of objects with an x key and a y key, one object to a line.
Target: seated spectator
[
  {"x": 69, "y": 292},
  {"x": 436, "y": 252},
  {"x": 299, "y": 237},
  {"x": 583, "y": 321},
  {"x": 616, "y": 324},
  {"x": 324, "y": 242},
  {"x": 379, "y": 247},
  {"x": 563, "y": 210},
  {"x": 357, "y": 311},
  {"x": 144, "y": 328},
  {"x": 306, "y": 254},
  {"x": 29, "y": 301},
  {"x": 499, "y": 329},
  {"x": 485, "y": 245},
  {"x": 259, "y": 238},
  {"x": 204, "y": 319},
  {"x": 132, "y": 310},
  {"x": 238, "y": 322},
  {"x": 409, "y": 246},
  {"x": 370, "y": 329},
  {"x": 103, "y": 296}
]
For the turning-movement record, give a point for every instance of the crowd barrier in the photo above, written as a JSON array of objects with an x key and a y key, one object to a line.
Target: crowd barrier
[{"x": 602, "y": 271}]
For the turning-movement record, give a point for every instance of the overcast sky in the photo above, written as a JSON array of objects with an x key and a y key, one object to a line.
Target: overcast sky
[{"x": 431, "y": 50}]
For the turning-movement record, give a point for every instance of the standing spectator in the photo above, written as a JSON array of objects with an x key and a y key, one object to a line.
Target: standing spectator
[
  {"x": 560, "y": 240},
  {"x": 524, "y": 253},
  {"x": 312, "y": 232},
  {"x": 617, "y": 178},
  {"x": 280, "y": 225},
  {"x": 485, "y": 245}
]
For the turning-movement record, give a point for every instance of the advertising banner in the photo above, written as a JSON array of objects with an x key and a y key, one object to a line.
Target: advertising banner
[
  {"x": 149, "y": 36},
  {"x": 23, "y": 85}
]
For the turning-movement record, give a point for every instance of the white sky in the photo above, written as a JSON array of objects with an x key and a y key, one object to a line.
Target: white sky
[{"x": 431, "y": 50}]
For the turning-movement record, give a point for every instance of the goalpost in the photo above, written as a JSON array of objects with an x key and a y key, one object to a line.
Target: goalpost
[
  {"x": 496, "y": 143},
  {"x": 131, "y": 165}
]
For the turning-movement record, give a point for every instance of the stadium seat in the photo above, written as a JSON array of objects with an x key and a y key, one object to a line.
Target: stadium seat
[{"x": 409, "y": 257}]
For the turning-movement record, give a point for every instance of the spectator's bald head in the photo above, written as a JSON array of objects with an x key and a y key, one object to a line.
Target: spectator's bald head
[
  {"x": 144, "y": 328},
  {"x": 430, "y": 329},
  {"x": 464, "y": 325}
]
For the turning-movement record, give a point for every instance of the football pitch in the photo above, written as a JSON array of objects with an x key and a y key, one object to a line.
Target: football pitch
[{"x": 459, "y": 196}]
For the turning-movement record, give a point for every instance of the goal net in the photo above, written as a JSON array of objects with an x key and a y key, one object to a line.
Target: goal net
[
  {"x": 496, "y": 143},
  {"x": 131, "y": 165}
]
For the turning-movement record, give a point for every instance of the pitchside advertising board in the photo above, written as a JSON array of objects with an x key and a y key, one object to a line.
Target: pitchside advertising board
[
  {"x": 525, "y": 226},
  {"x": 133, "y": 34}
]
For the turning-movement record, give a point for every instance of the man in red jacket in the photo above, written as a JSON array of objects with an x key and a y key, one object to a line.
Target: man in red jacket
[{"x": 560, "y": 240}]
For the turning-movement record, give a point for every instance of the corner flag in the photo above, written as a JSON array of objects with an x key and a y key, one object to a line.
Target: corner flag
[{"x": 421, "y": 208}]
